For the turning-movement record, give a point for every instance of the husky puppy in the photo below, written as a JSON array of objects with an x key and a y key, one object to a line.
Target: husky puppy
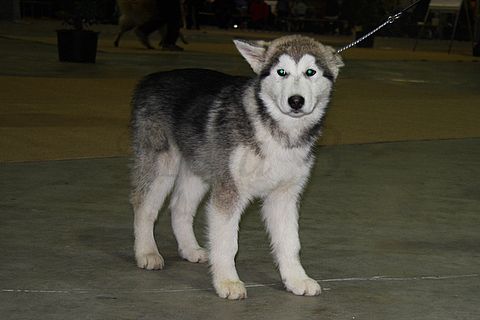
[{"x": 195, "y": 130}]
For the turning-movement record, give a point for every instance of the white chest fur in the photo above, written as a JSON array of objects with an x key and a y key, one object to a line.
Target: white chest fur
[{"x": 257, "y": 175}]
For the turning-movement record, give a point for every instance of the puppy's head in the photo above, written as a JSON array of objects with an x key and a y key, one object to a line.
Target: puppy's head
[{"x": 296, "y": 74}]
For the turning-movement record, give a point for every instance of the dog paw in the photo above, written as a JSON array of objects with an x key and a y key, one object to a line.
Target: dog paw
[
  {"x": 195, "y": 255},
  {"x": 150, "y": 261},
  {"x": 303, "y": 287},
  {"x": 231, "y": 289}
]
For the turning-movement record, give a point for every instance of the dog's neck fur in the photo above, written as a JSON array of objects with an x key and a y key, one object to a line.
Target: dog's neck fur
[{"x": 267, "y": 128}]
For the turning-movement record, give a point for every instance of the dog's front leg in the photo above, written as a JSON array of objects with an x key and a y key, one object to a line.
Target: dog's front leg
[
  {"x": 224, "y": 212},
  {"x": 280, "y": 213}
]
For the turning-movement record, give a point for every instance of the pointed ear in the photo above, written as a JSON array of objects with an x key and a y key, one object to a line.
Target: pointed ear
[
  {"x": 253, "y": 52},
  {"x": 335, "y": 61},
  {"x": 336, "y": 57}
]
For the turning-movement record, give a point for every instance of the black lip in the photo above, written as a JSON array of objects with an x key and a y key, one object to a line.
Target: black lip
[{"x": 297, "y": 114}]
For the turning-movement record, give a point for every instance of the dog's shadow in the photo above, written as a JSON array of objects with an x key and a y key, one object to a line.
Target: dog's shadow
[
  {"x": 117, "y": 243},
  {"x": 115, "y": 246}
]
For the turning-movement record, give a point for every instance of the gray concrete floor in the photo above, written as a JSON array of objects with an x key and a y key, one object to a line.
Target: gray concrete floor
[{"x": 391, "y": 230}]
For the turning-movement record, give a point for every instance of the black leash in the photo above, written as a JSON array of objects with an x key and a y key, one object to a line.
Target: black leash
[{"x": 390, "y": 19}]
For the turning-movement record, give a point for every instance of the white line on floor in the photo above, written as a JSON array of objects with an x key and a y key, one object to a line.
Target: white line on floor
[
  {"x": 251, "y": 285},
  {"x": 409, "y": 80},
  {"x": 388, "y": 278}
]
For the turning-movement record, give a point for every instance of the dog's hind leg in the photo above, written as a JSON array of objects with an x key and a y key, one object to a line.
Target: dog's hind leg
[
  {"x": 125, "y": 25},
  {"x": 154, "y": 174},
  {"x": 189, "y": 191}
]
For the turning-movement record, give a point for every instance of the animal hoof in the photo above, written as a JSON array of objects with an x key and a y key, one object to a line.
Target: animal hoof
[
  {"x": 150, "y": 261},
  {"x": 231, "y": 289},
  {"x": 303, "y": 287},
  {"x": 197, "y": 255}
]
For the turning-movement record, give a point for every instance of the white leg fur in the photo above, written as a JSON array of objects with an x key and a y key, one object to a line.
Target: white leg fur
[
  {"x": 189, "y": 191},
  {"x": 281, "y": 217},
  {"x": 223, "y": 238},
  {"x": 146, "y": 251}
]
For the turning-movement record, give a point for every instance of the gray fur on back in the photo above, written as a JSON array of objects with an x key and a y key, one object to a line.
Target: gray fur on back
[{"x": 200, "y": 112}]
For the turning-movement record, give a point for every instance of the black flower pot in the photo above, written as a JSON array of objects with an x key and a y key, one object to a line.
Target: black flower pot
[{"x": 77, "y": 45}]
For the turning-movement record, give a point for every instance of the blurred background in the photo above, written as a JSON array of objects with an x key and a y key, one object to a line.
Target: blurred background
[{"x": 317, "y": 16}]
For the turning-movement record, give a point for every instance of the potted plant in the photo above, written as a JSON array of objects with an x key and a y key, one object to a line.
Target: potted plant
[{"x": 77, "y": 43}]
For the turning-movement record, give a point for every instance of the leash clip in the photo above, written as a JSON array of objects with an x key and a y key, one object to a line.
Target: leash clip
[{"x": 396, "y": 16}]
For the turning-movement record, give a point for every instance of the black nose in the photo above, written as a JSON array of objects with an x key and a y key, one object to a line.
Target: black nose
[{"x": 296, "y": 102}]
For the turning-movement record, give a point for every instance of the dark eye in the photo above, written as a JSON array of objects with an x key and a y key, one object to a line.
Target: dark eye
[
  {"x": 310, "y": 72},
  {"x": 281, "y": 72}
]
